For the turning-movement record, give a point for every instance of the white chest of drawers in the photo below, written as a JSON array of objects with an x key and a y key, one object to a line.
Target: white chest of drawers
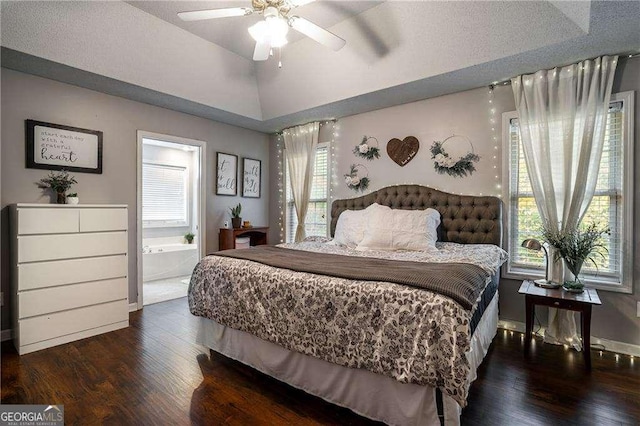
[{"x": 69, "y": 272}]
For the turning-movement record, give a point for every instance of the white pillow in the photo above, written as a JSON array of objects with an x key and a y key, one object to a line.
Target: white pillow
[
  {"x": 351, "y": 226},
  {"x": 391, "y": 229}
]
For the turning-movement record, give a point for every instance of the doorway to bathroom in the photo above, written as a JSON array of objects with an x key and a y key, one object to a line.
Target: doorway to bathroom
[{"x": 171, "y": 229}]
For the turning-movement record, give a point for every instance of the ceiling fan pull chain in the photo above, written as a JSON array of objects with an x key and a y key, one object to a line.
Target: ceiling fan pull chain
[{"x": 279, "y": 58}]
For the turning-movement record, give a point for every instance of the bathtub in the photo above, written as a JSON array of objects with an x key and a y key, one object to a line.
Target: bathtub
[{"x": 168, "y": 260}]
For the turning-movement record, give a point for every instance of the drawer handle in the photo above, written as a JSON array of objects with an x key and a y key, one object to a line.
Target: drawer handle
[{"x": 556, "y": 303}]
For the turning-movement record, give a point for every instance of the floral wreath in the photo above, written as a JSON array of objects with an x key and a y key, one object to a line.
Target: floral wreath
[
  {"x": 367, "y": 151},
  {"x": 355, "y": 182},
  {"x": 443, "y": 163}
]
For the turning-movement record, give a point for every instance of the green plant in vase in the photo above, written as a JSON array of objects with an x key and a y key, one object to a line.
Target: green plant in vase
[
  {"x": 59, "y": 183},
  {"x": 189, "y": 237},
  {"x": 576, "y": 247},
  {"x": 236, "y": 219}
]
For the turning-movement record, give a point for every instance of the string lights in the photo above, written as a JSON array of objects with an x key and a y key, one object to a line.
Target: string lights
[
  {"x": 281, "y": 196},
  {"x": 333, "y": 147},
  {"x": 495, "y": 140},
  {"x": 509, "y": 328}
]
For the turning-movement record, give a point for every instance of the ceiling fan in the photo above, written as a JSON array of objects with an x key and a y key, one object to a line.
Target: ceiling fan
[{"x": 272, "y": 31}]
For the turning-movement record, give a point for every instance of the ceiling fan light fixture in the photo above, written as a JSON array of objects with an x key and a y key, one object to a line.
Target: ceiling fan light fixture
[
  {"x": 272, "y": 30},
  {"x": 278, "y": 26}
]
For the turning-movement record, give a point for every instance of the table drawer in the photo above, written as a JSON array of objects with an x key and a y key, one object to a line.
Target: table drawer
[{"x": 566, "y": 304}]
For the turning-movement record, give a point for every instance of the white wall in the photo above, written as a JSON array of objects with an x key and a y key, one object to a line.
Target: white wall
[
  {"x": 465, "y": 114},
  {"x": 28, "y": 97}
]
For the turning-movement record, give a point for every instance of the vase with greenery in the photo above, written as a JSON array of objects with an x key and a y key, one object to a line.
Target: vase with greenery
[
  {"x": 59, "y": 182},
  {"x": 189, "y": 237},
  {"x": 236, "y": 219},
  {"x": 577, "y": 246}
]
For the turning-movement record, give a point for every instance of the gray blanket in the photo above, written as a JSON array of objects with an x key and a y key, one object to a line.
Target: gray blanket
[{"x": 460, "y": 281}]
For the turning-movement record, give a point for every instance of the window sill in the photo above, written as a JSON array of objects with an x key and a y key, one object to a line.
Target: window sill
[
  {"x": 602, "y": 284},
  {"x": 156, "y": 225}
]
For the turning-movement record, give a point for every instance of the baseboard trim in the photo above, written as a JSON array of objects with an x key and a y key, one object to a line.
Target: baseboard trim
[
  {"x": 609, "y": 345},
  {"x": 133, "y": 307},
  {"x": 5, "y": 335}
]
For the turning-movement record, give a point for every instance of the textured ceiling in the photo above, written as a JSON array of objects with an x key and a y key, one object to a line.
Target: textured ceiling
[
  {"x": 396, "y": 52},
  {"x": 232, "y": 34}
]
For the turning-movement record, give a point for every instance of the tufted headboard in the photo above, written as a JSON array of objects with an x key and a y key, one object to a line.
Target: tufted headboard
[{"x": 466, "y": 219}]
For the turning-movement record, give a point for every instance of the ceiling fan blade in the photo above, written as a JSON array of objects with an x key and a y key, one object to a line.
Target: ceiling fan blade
[
  {"x": 316, "y": 33},
  {"x": 261, "y": 52},
  {"x": 198, "y": 15}
]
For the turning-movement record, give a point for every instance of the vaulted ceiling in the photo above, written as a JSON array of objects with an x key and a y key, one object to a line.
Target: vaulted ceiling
[
  {"x": 232, "y": 34},
  {"x": 396, "y": 52}
]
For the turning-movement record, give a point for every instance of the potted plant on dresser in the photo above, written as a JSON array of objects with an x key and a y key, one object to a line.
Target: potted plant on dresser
[
  {"x": 73, "y": 198},
  {"x": 59, "y": 183},
  {"x": 236, "y": 219}
]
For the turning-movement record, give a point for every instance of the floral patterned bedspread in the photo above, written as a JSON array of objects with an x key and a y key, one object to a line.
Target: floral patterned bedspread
[{"x": 409, "y": 334}]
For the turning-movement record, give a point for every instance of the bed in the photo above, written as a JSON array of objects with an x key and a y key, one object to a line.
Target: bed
[{"x": 387, "y": 349}]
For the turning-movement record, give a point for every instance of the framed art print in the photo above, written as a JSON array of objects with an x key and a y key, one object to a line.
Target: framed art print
[
  {"x": 56, "y": 147},
  {"x": 226, "y": 174},
  {"x": 251, "y": 177}
]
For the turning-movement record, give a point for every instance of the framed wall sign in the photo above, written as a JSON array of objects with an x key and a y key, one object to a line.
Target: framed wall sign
[
  {"x": 57, "y": 147},
  {"x": 251, "y": 177},
  {"x": 226, "y": 174}
]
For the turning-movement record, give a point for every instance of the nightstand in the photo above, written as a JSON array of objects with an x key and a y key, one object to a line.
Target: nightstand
[
  {"x": 561, "y": 299},
  {"x": 257, "y": 234}
]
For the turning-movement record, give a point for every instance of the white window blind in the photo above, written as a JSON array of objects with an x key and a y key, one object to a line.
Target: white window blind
[
  {"x": 164, "y": 195},
  {"x": 316, "y": 220},
  {"x": 607, "y": 209}
]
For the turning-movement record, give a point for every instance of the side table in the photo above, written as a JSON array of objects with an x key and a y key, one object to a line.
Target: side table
[
  {"x": 257, "y": 234},
  {"x": 561, "y": 299}
]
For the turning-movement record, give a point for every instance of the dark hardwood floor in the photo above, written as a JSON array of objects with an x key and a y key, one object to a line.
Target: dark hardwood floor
[{"x": 153, "y": 373}]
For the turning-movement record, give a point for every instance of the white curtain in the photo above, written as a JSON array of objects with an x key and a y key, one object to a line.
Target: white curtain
[
  {"x": 300, "y": 144},
  {"x": 562, "y": 115}
]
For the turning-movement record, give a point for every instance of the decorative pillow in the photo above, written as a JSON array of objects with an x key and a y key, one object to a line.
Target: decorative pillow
[
  {"x": 390, "y": 229},
  {"x": 351, "y": 226}
]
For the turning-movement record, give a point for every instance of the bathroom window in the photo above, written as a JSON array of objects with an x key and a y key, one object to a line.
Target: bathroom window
[{"x": 165, "y": 199}]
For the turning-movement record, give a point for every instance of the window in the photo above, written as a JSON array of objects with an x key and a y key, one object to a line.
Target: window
[
  {"x": 164, "y": 195},
  {"x": 316, "y": 220},
  {"x": 611, "y": 204}
]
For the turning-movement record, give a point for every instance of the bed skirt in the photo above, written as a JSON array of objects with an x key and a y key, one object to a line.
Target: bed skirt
[{"x": 369, "y": 394}]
